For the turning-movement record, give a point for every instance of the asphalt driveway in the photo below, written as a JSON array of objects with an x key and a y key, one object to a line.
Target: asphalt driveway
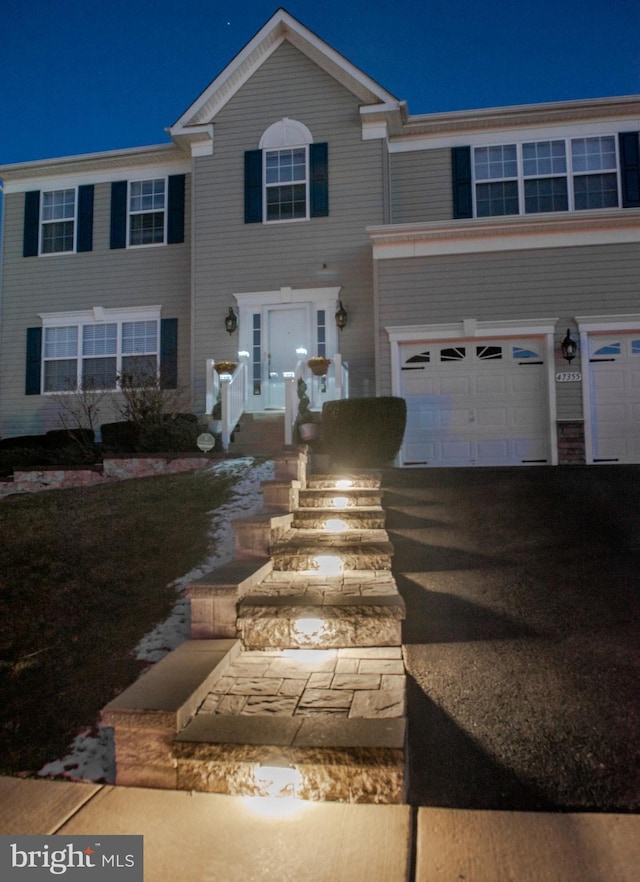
[{"x": 521, "y": 638}]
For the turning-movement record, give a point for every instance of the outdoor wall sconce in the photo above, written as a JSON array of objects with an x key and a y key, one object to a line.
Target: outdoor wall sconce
[
  {"x": 341, "y": 316},
  {"x": 231, "y": 321},
  {"x": 569, "y": 347}
]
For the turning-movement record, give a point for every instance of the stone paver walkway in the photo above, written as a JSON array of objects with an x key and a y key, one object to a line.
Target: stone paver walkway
[
  {"x": 315, "y": 682},
  {"x": 351, "y": 683}
]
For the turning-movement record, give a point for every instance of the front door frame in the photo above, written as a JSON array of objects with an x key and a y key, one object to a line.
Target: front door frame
[{"x": 261, "y": 303}]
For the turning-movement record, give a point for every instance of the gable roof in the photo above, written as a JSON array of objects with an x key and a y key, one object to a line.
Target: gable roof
[{"x": 281, "y": 27}]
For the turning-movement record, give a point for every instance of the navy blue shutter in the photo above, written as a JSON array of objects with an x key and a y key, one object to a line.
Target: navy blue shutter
[
  {"x": 118, "y": 237},
  {"x": 34, "y": 358},
  {"x": 169, "y": 353},
  {"x": 461, "y": 182},
  {"x": 319, "y": 177},
  {"x": 85, "y": 218},
  {"x": 630, "y": 168},
  {"x": 31, "y": 223},
  {"x": 253, "y": 186},
  {"x": 175, "y": 201}
]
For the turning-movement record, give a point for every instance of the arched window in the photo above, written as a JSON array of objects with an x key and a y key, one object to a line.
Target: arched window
[{"x": 287, "y": 177}]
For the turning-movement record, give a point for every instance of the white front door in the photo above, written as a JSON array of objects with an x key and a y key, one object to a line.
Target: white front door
[{"x": 287, "y": 330}]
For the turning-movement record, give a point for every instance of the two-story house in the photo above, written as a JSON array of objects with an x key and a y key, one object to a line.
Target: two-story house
[{"x": 473, "y": 253}]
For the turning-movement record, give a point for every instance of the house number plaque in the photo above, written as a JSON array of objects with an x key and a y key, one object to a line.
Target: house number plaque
[{"x": 568, "y": 377}]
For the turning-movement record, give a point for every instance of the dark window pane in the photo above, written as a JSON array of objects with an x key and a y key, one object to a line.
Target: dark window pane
[
  {"x": 57, "y": 237},
  {"x": 60, "y": 376},
  {"x": 147, "y": 229},
  {"x": 545, "y": 194},
  {"x": 286, "y": 203},
  {"x": 99, "y": 373},
  {"x": 596, "y": 191},
  {"x": 497, "y": 199}
]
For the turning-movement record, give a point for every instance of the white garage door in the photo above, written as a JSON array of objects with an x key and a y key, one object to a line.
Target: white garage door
[
  {"x": 614, "y": 363},
  {"x": 475, "y": 403}
]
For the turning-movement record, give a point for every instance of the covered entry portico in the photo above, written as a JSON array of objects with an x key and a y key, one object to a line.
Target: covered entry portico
[{"x": 279, "y": 328}]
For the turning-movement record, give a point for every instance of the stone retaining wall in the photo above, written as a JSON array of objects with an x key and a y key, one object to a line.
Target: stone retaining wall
[{"x": 116, "y": 468}]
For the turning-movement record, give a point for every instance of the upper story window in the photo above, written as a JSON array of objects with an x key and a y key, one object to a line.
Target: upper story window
[
  {"x": 58, "y": 220},
  {"x": 147, "y": 212},
  {"x": 286, "y": 179},
  {"x": 285, "y": 176},
  {"x": 552, "y": 175},
  {"x": 539, "y": 176}
]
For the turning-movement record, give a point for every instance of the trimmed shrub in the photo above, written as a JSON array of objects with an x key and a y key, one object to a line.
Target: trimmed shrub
[
  {"x": 33, "y": 458},
  {"x": 120, "y": 437},
  {"x": 24, "y": 442},
  {"x": 28, "y": 457},
  {"x": 172, "y": 434},
  {"x": 59, "y": 438},
  {"x": 363, "y": 432}
]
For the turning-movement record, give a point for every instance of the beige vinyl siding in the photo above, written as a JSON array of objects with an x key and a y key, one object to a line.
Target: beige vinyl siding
[
  {"x": 158, "y": 275},
  {"x": 421, "y": 186},
  {"x": 545, "y": 283},
  {"x": 231, "y": 256}
]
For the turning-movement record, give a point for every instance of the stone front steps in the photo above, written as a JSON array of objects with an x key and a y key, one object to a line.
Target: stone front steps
[{"x": 311, "y": 698}]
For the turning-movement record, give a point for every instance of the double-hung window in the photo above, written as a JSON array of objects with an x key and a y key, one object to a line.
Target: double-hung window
[
  {"x": 287, "y": 177},
  {"x": 286, "y": 181},
  {"x": 595, "y": 179},
  {"x": 544, "y": 166},
  {"x": 546, "y": 176},
  {"x": 496, "y": 174},
  {"x": 147, "y": 212},
  {"x": 57, "y": 221},
  {"x": 94, "y": 355}
]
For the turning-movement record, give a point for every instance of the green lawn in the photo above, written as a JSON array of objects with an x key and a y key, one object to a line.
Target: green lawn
[{"x": 84, "y": 575}]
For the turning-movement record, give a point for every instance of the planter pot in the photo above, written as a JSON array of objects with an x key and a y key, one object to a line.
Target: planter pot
[
  {"x": 308, "y": 431},
  {"x": 215, "y": 427},
  {"x": 225, "y": 367},
  {"x": 319, "y": 366}
]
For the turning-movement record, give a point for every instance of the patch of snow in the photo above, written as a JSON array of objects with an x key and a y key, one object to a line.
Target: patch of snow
[{"x": 91, "y": 755}]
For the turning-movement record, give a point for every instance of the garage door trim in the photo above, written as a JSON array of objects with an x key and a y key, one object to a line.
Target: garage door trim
[
  {"x": 589, "y": 326},
  {"x": 475, "y": 330}
]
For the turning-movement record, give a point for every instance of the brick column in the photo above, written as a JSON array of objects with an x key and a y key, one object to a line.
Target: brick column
[{"x": 571, "y": 442}]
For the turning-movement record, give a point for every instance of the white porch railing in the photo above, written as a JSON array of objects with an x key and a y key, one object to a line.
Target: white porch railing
[
  {"x": 231, "y": 391},
  {"x": 334, "y": 386}
]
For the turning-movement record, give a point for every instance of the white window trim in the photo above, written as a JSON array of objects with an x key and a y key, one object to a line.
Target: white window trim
[
  {"x": 588, "y": 326},
  {"x": 473, "y": 329},
  {"x": 569, "y": 175},
  {"x": 165, "y": 211},
  {"x": 42, "y": 223},
  {"x": 97, "y": 315},
  {"x": 285, "y": 134},
  {"x": 266, "y": 187}
]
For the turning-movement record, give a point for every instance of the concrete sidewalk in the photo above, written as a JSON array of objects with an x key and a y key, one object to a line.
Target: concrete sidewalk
[{"x": 204, "y": 837}]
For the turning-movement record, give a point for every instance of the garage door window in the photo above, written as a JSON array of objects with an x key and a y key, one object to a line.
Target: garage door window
[
  {"x": 488, "y": 353},
  {"x": 453, "y": 353}
]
